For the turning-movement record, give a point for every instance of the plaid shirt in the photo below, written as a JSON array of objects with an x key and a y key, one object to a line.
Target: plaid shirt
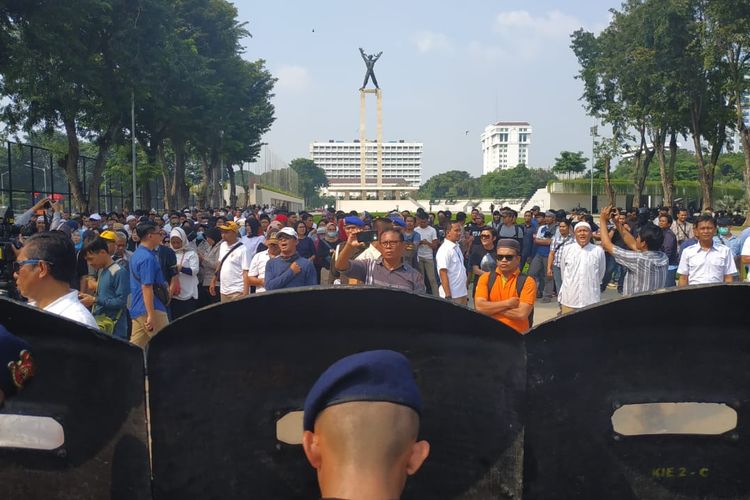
[
  {"x": 557, "y": 244},
  {"x": 647, "y": 270}
]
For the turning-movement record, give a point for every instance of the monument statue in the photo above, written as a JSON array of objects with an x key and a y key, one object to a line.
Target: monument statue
[{"x": 370, "y": 62}]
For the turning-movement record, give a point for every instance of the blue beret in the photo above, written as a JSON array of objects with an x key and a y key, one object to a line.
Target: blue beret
[
  {"x": 352, "y": 220},
  {"x": 367, "y": 376},
  {"x": 398, "y": 221},
  {"x": 16, "y": 364}
]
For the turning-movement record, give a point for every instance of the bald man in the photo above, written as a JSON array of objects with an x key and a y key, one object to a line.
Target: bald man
[{"x": 361, "y": 427}]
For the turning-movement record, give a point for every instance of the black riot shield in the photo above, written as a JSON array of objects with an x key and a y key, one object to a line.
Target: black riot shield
[
  {"x": 221, "y": 379},
  {"x": 593, "y": 376},
  {"x": 78, "y": 429}
]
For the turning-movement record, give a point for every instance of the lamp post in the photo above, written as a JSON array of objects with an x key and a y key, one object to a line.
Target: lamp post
[
  {"x": 132, "y": 138},
  {"x": 593, "y": 131}
]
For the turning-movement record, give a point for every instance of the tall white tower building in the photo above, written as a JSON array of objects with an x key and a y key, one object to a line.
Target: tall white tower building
[{"x": 505, "y": 145}]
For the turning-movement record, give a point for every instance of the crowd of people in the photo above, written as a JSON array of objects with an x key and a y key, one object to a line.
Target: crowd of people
[{"x": 130, "y": 274}]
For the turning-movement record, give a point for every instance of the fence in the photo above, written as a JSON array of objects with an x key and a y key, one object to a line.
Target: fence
[
  {"x": 271, "y": 171},
  {"x": 28, "y": 173}
]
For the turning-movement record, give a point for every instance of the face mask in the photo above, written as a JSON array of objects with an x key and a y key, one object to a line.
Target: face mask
[
  {"x": 199, "y": 236},
  {"x": 332, "y": 234},
  {"x": 723, "y": 231}
]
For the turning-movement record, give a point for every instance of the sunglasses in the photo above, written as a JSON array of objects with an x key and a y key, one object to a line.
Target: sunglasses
[
  {"x": 20, "y": 263},
  {"x": 485, "y": 236},
  {"x": 506, "y": 257}
]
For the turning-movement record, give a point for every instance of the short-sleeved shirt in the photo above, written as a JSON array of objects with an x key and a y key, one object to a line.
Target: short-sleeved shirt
[
  {"x": 68, "y": 306},
  {"x": 257, "y": 268},
  {"x": 557, "y": 244},
  {"x": 706, "y": 266},
  {"x": 542, "y": 250},
  {"x": 427, "y": 234},
  {"x": 144, "y": 270},
  {"x": 504, "y": 289},
  {"x": 374, "y": 272},
  {"x": 450, "y": 258},
  {"x": 230, "y": 276},
  {"x": 647, "y": 271}
]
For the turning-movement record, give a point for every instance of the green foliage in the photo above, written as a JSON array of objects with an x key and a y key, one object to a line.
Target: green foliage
[
  {"x": 454, "y": 184},
  {"x": 729, "y": 168},
  {"x": 311, "y": 179},
  {"x": 519, "y": 182},
  {"x": 570, "y": 163}
]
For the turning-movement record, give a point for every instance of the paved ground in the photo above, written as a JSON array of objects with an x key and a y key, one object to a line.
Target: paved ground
[{"x": 545, "y": 312}]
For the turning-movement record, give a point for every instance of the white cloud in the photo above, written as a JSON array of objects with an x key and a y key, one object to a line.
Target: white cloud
[
  {"x": 292, "y": 78},
  {"x": 552, "y": 24},
  {"x": 524, "y": 36},
  {"x": 428, "y": 41}
]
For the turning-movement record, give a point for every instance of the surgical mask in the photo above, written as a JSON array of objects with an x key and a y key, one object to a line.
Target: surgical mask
[
  {"x": 723, "y": 231},
  {"x": 332, "y": 234},
  {"x": 199, "y": 236}
]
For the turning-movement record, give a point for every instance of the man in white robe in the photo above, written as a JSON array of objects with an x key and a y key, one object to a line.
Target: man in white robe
[{"x": 582, "y": 268}]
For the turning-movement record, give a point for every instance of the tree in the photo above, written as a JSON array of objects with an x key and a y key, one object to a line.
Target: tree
[
  {"x": 454, "y": 184},
  {"x": 519, "y": 182},
  {"x": 311, "y": 178},
  {"x": 570, "y": 163}
]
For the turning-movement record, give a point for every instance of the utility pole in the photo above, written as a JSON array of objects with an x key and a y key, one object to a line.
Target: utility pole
[
  {"x": 593, "y": 131},
  {"x": 132, "y": 133}
]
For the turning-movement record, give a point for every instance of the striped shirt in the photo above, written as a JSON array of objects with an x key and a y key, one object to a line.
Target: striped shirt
[
  {"x": 559, "y": 241},
  {"x": 374, "y": 272},
  {"x": 647, "y": 270}
]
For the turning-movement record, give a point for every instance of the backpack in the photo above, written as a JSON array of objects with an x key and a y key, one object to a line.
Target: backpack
[{"x": 520, "y": 282}]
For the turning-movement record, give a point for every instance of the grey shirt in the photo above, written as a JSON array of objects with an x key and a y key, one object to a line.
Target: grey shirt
[{"x": 374, "y": 272}]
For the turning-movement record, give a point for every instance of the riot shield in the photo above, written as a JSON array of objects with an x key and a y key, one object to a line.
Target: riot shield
[
  {"x": 82, "y": 414},
  {"x": 223, "y": 377},
  {"x": 594, "y": 428}
]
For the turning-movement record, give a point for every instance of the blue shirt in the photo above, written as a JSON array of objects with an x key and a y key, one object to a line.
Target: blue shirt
[
  {"x": 112, "y": 297},
  {"x": 145, "y": 266},
  {"x": 279, "y": 274}
]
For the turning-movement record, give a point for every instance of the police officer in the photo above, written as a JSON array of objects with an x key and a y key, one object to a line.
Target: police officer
[
  {"x": 16, "y": 364},
  {"x": 361, "y": 423}
]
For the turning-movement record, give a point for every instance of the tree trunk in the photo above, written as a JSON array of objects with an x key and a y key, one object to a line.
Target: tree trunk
[
  {"x": 704, "y": 175},
  {"x": 146, "y": 196},
  {"x": 71, "y": 166},
  {"x": 166, "y": 176},
  {"x": 104, "y": 143},
  {"x": 217, "y": 196},
  {"x": 745, "y": 138},
  {"x": 205, "y": 183},
  {"x": 666, "y": 169},
  {"x": 232, "y": 187},
  {"x": 716, "y": 148},
  {"x": 179, "y": 189},
  {"x": 608, "y": 183},
  {"x": 640, "y": 172}
]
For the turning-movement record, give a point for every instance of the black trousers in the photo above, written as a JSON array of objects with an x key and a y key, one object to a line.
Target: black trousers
[{"x": 182, "y": 307}]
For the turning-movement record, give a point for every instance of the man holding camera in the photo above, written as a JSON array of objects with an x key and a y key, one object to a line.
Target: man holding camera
[{"x": 387, "y": 270}]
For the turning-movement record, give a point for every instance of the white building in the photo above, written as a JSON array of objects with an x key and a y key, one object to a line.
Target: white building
[
  {"x": 505, "y": 145},
  {"x": 401, "y": 160}
]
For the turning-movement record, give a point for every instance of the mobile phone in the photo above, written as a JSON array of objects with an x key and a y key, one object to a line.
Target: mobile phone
[{"x": 367, "y": 236}]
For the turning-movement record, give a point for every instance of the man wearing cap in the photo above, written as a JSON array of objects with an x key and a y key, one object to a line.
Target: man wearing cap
[
  {"x": 44, "y": 269},
  {"x": 504, "y": 302},
  {"x": 361, "y": 424},
  {"x": 256, "y": 272},
  {"x": 94, "y": 221},
  {"x": 289, "y": 270},
  {"x": 388, "y": 270},
  {"x": 16, "y": 364},
  {"x": 582, "y": 266},
  {"x": 148, "y": 312},
  {"x": 352, "y": 225},
  {"x": 233, "y": 262}
]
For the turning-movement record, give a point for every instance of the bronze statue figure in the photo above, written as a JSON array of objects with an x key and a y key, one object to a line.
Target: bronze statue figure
[{"x": 370, "y": 62}]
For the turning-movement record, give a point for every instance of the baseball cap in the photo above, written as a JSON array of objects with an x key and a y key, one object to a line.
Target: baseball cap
[
  {"x": 288, "y": 231},
  {"x": 229, "y": 226},
  {"x": 377, "y": 376},
  {"x": 108, "y": 235},
  {"x": 129, "y": 218},
  {"x": 272, "y": 238},
  {"x": 95, "y": 216}
]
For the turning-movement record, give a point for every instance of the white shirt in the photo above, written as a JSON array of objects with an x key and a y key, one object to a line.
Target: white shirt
[
  {"x": 582, "y": 270},
  {"x": 706, "y": 266},
  {"x": 257, "y": 268},
  {"x": 425, "y": 234},
  {"x": 450, "y": 258},
  {"x": 231, "y": 271},
  {"x": 68, "y": 306},
  {"x": 188, "y": 283},
  {"x": 746, "y": 252},
  {"x": 370, "y": 253}
]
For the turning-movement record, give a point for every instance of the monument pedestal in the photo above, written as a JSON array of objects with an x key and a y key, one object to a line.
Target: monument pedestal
[{"x": 363, "y": 137}]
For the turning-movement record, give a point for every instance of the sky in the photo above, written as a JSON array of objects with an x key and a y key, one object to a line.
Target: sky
[{"x": 447, "y": 68}]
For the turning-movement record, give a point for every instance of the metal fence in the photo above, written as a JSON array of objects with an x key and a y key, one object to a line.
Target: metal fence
[
  {"x": 271, "y": 171},
  {"x": 29, "y": 173}
]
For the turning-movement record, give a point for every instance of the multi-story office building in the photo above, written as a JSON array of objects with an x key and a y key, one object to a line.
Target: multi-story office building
[
  {"x": 505, "y": 145},
  {"x": 401, "y": 164}
]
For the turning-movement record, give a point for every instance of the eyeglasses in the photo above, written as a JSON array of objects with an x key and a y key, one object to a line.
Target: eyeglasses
[
  {"x": 389, "y": 244},
  {"x": 506, "y": 257},
  {"x": 20, "y": 263}
]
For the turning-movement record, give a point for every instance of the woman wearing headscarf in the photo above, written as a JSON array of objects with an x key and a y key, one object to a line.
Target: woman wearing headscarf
[
  {"x": 208, "y": 254},
  {"x": 185, "y": 298}
]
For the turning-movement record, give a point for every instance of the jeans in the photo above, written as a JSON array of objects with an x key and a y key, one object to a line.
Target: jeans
[
  {"x": 608, "y": 271},
  {"x": 427, "y": 268},
  {"x": 671, "y": 277},
  {"x": 538, "y": 271},
  {"x": 557, "y": 276}
]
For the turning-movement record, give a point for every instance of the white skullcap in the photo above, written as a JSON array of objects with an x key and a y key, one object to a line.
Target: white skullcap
[{"x": 582, "y": 224}]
